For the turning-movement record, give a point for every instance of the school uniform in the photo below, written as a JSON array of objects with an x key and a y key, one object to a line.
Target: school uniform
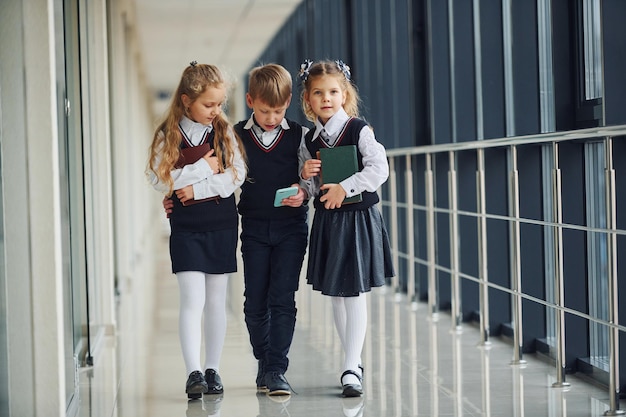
[
  {"x": 349, "y": 250},
  {"x": 204, "y": 235},
  {"x": 273, "y": 240}
]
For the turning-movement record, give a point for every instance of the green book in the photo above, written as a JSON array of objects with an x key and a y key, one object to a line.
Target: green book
[{"x": 338, "y": 164}]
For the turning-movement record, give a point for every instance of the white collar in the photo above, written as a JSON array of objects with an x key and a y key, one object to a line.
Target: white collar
[
  {"x": 333, "y": 126},
  {"x": 193, "y": 130},
  {"x": 283, "y": 124}
]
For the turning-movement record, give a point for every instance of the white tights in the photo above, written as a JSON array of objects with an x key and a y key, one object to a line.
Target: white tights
[
  {"x": 200, "y": 294},
  {"x": 350, "y": 314}
]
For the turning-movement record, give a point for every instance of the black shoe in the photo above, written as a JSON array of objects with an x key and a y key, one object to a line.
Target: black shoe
[
  {"x": 213, "y": 381},
  {"x": 352, "y": 390},
  {"x": 277, "y": 384},
  {"x": 196, "y": 385},
  {"x": 260, "y": 378}
]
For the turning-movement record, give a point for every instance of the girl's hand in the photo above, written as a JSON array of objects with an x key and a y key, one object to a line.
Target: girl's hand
[
  {"x": 185, "y": 193},
  {"x": 212, "y": 161},
  {"x": 334, "y": 196},
  {"x": 167, "y": 206},
  {"x": 295, "y": 200},
  {"x": 311, "y": 168}
]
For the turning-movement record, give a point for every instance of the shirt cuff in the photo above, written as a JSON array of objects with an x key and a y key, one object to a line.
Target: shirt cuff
[
  {"x": 349, "y": 186},
  {"x": 200, "y": 190}
]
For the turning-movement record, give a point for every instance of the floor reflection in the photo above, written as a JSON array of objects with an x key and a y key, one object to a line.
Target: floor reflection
[
  {"x": 414, "y": 365},
  {"x": 204, "y": 407}
]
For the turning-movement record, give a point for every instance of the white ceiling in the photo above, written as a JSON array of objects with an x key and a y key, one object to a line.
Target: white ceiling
[{"x": 228, "y": 33}]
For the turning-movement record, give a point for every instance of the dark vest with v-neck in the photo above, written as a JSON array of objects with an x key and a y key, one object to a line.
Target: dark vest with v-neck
[
  {"x": 269, "y": 168},
  {"x": 348, "y": 136},
  {"x": 205, "y": 216}
]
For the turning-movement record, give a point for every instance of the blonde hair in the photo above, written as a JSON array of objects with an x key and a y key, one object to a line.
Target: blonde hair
[
  {"x": 330, "y": 68},
  {"x": 270, "y": 83},
  {"x": 167, "y": 138}
]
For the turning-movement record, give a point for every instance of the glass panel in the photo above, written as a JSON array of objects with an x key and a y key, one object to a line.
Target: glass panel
[
  {"x": 546, "y": 71},
  {"x": 595, "y": 185},
  {"x": 64, "y": 106},
  {"x": 478, "y": 71},
  {"x": 509, "y": 99},
  {"x": 75, "y": 173},
  {"x": 592, "y": 38}
]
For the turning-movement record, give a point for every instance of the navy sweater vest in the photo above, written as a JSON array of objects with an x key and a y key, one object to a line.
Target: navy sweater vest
[
  {"x": 206, "y": 216},
  {"x": 349, "y": 136},
  {"x": 269, "y": 168}
]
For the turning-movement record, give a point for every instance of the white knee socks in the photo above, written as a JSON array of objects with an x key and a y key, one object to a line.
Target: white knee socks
[
  {"x": 214, "y": 320},
  {"x": 350, "y": 314},
  {"x": 202, "y": 293}
]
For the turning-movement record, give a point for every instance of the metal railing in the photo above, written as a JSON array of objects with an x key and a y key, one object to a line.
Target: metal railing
[{"x": 402, "y": 168}]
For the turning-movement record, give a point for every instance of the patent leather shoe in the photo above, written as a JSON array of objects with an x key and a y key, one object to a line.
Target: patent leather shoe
[
  {"x": 196, "y": 385},
  {"x": 213, "y": 381},
  {"x": 353, "y": 389}
]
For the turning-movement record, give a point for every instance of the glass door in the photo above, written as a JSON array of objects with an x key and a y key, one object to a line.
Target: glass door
[{"x": 71, "y": 188}]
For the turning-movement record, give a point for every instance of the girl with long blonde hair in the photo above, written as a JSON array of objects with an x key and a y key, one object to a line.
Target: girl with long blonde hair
[{"x": 198, "y": 161}]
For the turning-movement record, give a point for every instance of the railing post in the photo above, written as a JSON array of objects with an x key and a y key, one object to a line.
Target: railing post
[
  {"x": 454, "y": 245},
  {"x": 612, "y": 283},
  {"x": 431, "y": 239},
  {"x": 558, "y": 271},
  {"x": 410, "y": 226},
  {"x": 481, "y": 208},
  {"x": 516, "y": 268},
  {"x": 393, "y": 208}
]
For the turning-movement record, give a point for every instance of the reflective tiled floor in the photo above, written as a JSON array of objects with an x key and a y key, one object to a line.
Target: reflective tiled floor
[{"x": 414, "y": 366}]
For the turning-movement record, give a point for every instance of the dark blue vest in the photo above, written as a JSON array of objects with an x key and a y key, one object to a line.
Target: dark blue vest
[
  {"x": 269, "y": 168},
  {"x": 349, "y": 136},
  {"x": 206, "y": 216}
]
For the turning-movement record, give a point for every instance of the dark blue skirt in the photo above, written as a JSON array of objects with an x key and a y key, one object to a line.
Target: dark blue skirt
[
  {"x": 349, "y": 252},
  {"x": 211, "y": 252}
]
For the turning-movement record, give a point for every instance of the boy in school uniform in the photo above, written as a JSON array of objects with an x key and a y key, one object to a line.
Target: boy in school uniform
[{"x": 273, "y": 239}]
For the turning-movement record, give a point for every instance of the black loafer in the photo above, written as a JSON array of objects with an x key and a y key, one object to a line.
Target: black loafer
[
  {"x": 352, "y": 390},
  {"x": 277, "y": 384},
  {"x": 196, "y": 385},
  {"x": 260, "y": 378},
  {"x": 213, "y": 381}
]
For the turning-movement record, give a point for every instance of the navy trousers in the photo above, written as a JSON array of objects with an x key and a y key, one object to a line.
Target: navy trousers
[{"x": 272, "y": 251}]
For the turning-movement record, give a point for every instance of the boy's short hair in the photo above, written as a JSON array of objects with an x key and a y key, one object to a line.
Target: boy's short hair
[{"x": 270, "y": 83}]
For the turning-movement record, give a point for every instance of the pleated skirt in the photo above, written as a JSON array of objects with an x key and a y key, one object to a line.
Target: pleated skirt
[
  {"x": 211, "y": 252},
  {"x": 349, "y": 252}
]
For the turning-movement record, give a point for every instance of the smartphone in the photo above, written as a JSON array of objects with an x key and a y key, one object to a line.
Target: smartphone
[{"x": 284, "y": 193}]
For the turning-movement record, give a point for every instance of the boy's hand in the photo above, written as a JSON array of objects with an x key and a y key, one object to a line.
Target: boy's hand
[
  {"x": 167, "y": 206},
  {"x": 311, "y": 168},
  {"x": 295, "y": 200},
  {"x": 185, "y": 193},
  {"x": 212, "y": 161},
  {"x": 334, "y": 196}
]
